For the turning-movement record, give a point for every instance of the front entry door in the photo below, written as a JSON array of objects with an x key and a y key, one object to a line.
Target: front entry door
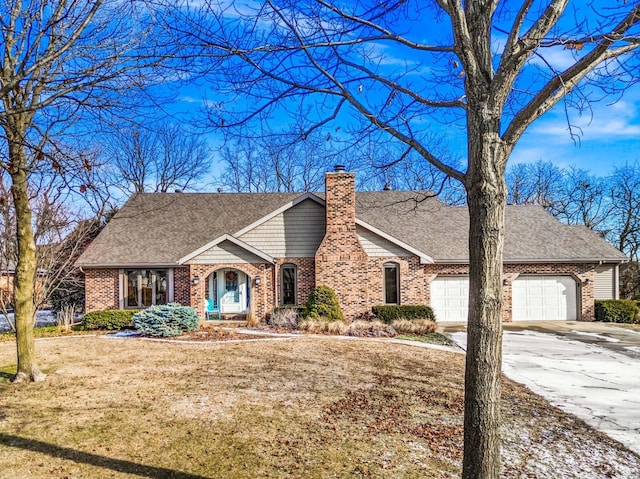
[{"x": 232, "y": 291}]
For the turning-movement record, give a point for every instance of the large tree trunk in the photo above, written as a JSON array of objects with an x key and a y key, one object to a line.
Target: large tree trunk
[
  {"x": 486, "y": 196},
  {"x": 25, "y": 273}
]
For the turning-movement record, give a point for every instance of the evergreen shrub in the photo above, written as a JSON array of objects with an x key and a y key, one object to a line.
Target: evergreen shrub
[
  {"x": 389, "y": 313},
  {"x": 323, "y": 304},
  {"x": 166, "y": 320},
  {"x": 616, "y": 310},
  {"x": 110, "y": 319}
]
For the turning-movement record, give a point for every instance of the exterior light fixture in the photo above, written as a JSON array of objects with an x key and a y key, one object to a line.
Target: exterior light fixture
[
  {"x": 587, "y": 282},
  {"x": 505, "y": 282},
  {"x": 195, "y": 281},
  {"x": 257, "y": 281}
]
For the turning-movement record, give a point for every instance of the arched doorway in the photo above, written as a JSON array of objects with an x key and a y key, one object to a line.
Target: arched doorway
[{"x": 227, "y": 291}]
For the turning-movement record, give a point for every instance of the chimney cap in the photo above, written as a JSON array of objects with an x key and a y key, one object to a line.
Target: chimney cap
[
  {"x": 220, "y": 190},
  {"x": 338, "y": 168}
]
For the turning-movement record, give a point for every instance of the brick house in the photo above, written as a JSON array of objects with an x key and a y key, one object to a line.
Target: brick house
[{"x": 229, "y": 254}]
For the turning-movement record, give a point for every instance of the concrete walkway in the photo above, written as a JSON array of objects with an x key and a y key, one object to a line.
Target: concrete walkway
[{"x": 587, "y": 369}]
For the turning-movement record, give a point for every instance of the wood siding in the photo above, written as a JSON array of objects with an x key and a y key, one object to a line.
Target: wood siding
[
  {"x": 296, "y": 233},
  {"x": 604, "y": 282},
  {"x": 225, "y": 252},
  {"x": 377, "y": 246}
]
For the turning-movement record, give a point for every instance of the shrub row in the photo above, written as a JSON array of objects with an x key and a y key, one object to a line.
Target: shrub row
[
  {"x": 616, "y": 310},
  {"x": 108, "y": 319},
  {"x": 389, "y": 313}
]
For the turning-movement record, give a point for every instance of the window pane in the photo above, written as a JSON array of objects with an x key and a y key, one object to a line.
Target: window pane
[
  {"x": 288, "y": 285},
  {"x": 391, "y": 285},
  {"x": 147, "y": 287},
  {"x": 131, "y": 299},
  {"x": 161, "y": 286}
]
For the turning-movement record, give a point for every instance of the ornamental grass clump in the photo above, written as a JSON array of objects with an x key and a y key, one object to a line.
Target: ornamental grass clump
[
  {"x": 418, "y": 327},
  {"x": 370, "y": 329},
  {"x": 323, "y": 304},
  {"x": 322, "y": 326},
  {"x": 166, "y": 320},
  {"x": 285, "y": 318}
]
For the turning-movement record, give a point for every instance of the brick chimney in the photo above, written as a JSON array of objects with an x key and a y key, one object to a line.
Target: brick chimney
[{"x": 341, "y": 262}]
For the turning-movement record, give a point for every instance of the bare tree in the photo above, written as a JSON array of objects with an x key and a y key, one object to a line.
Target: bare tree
[
  {"x": 278, "y": 163},
  {"x": 158, "y": 157},
  {"x": 537, "y": 183},
  {"x": 624, "y": 196},
  {"x": 582, "y": 200},
  {"x": 60, "y": 60},
  {"x": 485, "y": 67}
]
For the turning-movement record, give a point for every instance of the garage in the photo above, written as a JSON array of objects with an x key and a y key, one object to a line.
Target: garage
[
  {"x": 450, "y": 298},
  {"x": 552, "y": 298}
]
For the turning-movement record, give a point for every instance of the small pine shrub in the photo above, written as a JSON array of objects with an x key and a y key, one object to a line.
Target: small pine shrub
[
  {"x": 616, "y": 310},
  {"x": 418, "y": 327},
  {"x": 320, "y": 326},
  {"x": 166, "y": 320},
  {"x": 285, "y": 318},
  {"x": 323, "y": 304},
  {"x": 110, "y": 319},
  {"x": 391, "y": 312},
  {"x": 370, "y": 329}
]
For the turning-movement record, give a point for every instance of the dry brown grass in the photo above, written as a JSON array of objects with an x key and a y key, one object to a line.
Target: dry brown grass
[
  {"x": 419, "y": 327},
  {"x": 298, "y": 408}
]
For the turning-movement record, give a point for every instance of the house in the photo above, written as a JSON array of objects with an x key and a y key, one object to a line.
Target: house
[{"x": 246, "y": 253}]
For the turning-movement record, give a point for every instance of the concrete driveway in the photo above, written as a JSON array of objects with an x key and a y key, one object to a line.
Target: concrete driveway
[{"x": 591, "y": 370}]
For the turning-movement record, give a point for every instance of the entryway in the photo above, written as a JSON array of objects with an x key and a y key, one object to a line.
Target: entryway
[{"x": 226, "y": 293}]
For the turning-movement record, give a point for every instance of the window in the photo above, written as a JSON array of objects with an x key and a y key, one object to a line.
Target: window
[
  {"x": 288, "y": 274},
  {"x": 145, "y": 287},
  {"x": 391, "y": 284}
]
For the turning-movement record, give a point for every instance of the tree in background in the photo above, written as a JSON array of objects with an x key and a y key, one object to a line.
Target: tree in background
[
  {"x": 156, "y": 157},
  {"x": 61, "y": 60},
  {"x": 394, "y": 71}
]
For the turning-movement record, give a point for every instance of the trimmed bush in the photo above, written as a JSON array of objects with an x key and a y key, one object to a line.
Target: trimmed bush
[
  {"x": 392, "y": 312},
  {"x": 166, "y": 320},
  {"x": 418, "y": 327},
  {"x": 370, "y": 329},
  {"x": 616, "y": 310},
  {"x": 286, "y": 317},
  {"x": 323, "y": 304},
  {"x": 110, "y": 319}
]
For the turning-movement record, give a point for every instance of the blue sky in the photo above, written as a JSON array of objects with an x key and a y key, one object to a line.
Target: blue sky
[{"x": 605, "y": 135}]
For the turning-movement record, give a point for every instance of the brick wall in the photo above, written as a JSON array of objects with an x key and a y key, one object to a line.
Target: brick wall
[
  {"x": 306, "y": 277},
  {"x": 261, "y": 295},
  {"x": 182, "y": 285},
  {"x": 340, "y": 260},
  {"x": 579, "y": 271},
  {"x": 101, "y": 289},
  {"x": 413, "y": 285}
]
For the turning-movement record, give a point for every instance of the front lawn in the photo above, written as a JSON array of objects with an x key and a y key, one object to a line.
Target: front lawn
[{"x": 293, "y": 408}]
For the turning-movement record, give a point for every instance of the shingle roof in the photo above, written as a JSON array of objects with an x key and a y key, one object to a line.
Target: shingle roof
[
  {"x": 160, "y": 228},
  {"x": 532, "y": 234}
]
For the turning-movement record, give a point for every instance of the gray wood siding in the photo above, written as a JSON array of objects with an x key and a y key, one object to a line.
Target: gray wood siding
[
  {"x": 296, "y": 233},
  {"x": 375, "y": 245},
  {"x": 226, "y": 252},
  {"x": 604, "y": 284}
]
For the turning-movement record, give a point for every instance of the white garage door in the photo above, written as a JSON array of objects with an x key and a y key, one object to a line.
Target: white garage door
[
  {"x": 544, "y": 298},
  {"x": 450, "y": 298}
]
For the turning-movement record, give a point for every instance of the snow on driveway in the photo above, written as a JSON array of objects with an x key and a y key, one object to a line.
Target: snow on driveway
[{"x": 598, "y": 385}]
